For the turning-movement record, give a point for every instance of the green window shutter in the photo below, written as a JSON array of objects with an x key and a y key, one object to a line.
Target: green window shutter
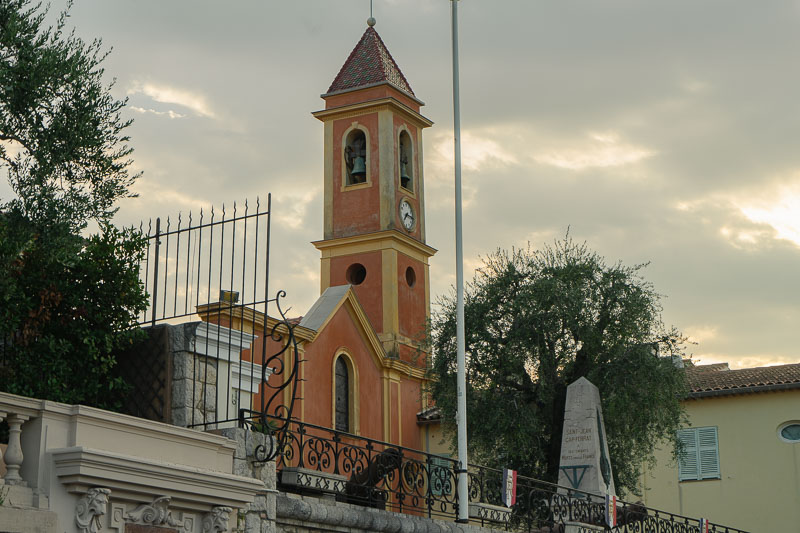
[
  {"x": 708, "y": 452},
  {"x": 438, "y": 476},
  {"x": 688, "y": 463}
]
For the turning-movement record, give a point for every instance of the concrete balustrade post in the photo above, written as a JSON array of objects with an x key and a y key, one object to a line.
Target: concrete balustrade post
[{"x": 13, "y": 456}]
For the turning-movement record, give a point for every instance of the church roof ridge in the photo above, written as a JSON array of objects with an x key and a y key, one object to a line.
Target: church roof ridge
[{"x": 370, "y": 63}]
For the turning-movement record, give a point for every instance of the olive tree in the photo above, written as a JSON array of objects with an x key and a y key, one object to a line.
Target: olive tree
[
  {"x": 69, "y": 297},
  {"x": 537, "y": 320}
]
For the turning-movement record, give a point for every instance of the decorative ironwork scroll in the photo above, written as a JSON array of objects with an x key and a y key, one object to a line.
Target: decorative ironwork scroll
[{"x": 276, "y": 411}]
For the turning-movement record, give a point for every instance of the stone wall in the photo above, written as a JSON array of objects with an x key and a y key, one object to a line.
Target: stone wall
[
  {"x": 306, "y": 514},
  {"x": 194, "y": 381},
  {"x": 259, "y": 516}
]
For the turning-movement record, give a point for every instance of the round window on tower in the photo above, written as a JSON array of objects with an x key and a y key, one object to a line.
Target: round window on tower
[
  {"x": 411, "y": 277},
  {"x": 356, "y": 274}
]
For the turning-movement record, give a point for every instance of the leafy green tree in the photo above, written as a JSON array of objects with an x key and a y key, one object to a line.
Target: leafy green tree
[
  {"x": 537, "y": 320},
  {"x": 68, "y": 300}
]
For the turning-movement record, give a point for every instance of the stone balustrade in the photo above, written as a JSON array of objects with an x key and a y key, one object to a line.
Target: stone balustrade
[
  {"x": 79, "y": 469},
  {"x": 15, "y": 411}
]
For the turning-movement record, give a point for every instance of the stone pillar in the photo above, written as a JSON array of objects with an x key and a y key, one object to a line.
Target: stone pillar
[
  {"x": 585, "y": 465},
  {"x": 13, "y": 456}
]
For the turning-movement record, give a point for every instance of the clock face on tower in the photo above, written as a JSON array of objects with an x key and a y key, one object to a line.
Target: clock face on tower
[{"x": 407, "y": 216}]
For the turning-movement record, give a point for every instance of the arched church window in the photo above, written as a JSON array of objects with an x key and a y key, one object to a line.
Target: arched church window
[
  {"x": 355, "y": 157},
  {"x": 342, "y": 397},
  {"x": 406, "y": 161}
]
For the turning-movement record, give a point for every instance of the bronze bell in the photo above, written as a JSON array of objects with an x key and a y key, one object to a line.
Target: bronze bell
[
  {"x": 359, "y": 171},
  {"x": 405, "y": 179}
]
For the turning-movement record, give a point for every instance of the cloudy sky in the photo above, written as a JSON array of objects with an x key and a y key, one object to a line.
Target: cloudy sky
[{"x": 662, "y": 132}]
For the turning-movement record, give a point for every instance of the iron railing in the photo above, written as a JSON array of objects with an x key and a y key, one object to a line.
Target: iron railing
[
  {"x": 542, "y": 506},
  {"x": 363, "y": 471},
  {"x": 373, "y": 473}
]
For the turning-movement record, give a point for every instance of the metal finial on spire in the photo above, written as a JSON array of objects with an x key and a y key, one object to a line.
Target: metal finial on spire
[{"x": 371, "y": 19}]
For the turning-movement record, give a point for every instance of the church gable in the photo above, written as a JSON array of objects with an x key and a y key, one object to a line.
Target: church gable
[{"x": 338, "y": 314}]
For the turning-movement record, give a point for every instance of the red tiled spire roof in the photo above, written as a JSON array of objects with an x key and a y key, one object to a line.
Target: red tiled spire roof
[
  {"x": 716, "y": 380},
  {"x": 369, "y": 63}
]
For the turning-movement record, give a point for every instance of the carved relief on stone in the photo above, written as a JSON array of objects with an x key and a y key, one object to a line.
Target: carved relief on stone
[
  {"x": 153, "y": 514},
  {"x": 216, "y": 520},
  {"x": 90, "y": 508}
]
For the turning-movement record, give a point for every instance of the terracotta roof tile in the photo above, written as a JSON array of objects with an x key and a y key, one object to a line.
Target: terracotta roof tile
[
  {"x": 369, "y": 63},
  {"x": 712, "y": 380}
]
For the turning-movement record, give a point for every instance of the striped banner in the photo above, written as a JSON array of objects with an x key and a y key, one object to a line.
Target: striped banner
[
  {"x": 509, "y": 487},
  {"x": 611, "y": 510}
]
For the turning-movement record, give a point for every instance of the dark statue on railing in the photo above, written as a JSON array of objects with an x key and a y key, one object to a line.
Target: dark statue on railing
[{"x": 362, "y": 487}]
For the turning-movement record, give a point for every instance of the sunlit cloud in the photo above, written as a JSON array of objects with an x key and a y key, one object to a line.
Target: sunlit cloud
[
  {"x": 738, "y": 361},
  {"x": 169, "y": 113},
  {"x": 598, "y": 151},
  {"x": 700, "y": 333},
  {"x": 173, "y": 95},
  {"x": 751, "y": 218},
  {"x": 780, "y": 211},
  {"x": 478, "y": 151},
  {"x": 745, "y": 238},
  {"x": 291, "y": 208},
  {"x": 152, "y": 190}
]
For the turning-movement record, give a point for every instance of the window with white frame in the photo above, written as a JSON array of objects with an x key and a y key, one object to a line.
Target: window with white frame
[{"x": 700, "y": 455}]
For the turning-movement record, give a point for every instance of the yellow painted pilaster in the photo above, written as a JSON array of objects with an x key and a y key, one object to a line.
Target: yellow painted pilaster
[
  {"x": 391, "y": 318},
  {"x": 386, "y": 167},
  {"x": 387, "y": 416},
  {"x": 328, "y": 181},
  {"x": 324, "y": 274},
  {"x": 421, "y": 187}
]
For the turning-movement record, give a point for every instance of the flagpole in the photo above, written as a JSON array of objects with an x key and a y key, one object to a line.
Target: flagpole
[{"x": 463, "y": 486}]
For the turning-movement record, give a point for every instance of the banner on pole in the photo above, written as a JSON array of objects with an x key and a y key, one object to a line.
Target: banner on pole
[
  {"x": 509, "y": 487},
  {"x": 611, "y": 510}
]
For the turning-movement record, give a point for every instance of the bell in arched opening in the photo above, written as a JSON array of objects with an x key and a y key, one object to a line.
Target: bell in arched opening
[
  {"x": 406, "y": 161},
  {"x": 356, "y": 157}
]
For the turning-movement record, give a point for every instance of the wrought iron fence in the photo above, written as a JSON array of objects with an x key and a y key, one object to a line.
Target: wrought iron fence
[
  {"x": 196, "y": 259},
  {"x": 546, "y": 507},
  {"x": 215, "y": 266},
  {"x": 362, "y": 471},
  {"x": 373, "y": 473}
]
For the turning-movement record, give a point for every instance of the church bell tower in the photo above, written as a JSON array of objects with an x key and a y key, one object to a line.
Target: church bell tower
[{"x": 374, "y": 199}]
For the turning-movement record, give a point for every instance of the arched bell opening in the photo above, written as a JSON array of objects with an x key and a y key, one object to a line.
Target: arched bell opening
[
  {"x": 355, "y": 156},
  {"x": 406, "y": 162}
]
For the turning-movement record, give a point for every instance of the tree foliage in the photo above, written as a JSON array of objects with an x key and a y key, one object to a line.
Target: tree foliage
[
  {"x": 537, "y": 320},
  {"x": 68, "y": 299}
]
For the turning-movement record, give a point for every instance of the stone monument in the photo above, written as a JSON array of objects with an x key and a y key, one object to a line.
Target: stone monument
[{"x": 585, "y": 465}]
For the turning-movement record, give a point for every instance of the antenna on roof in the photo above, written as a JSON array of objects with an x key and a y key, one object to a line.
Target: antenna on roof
[{"x": 371, "y": 19}]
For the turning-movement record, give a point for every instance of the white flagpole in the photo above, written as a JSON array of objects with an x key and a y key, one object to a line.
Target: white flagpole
[{"x": 463, "y": 486}]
